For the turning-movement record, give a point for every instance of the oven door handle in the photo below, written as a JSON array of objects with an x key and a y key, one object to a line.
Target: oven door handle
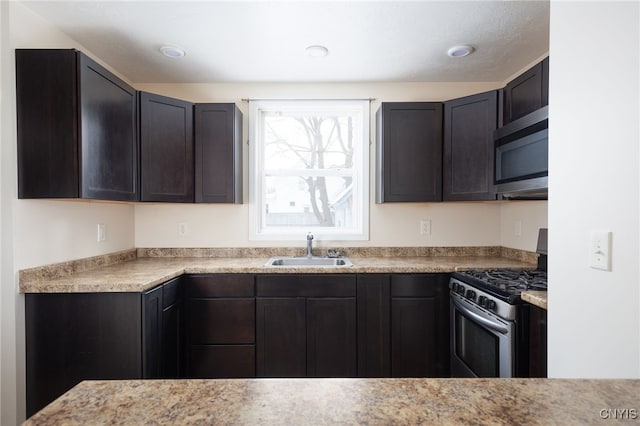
[{"x": 500, "y": 328}]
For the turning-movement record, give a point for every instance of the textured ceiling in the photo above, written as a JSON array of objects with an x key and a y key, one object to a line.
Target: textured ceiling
[{"x": 265, "y": 41}]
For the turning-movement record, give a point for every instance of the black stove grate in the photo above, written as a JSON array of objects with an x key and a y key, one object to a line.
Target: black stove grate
[{"x": 506, "y": 284}]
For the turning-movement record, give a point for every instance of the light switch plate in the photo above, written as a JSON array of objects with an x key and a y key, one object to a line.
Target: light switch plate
[{"x": 600, "y": 253}]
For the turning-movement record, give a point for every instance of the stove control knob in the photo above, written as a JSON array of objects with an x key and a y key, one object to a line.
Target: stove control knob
[
  {"x": 471, "y": 295},
  {"x": 454, "y": 287},
  {"x": 491, "y": 304},
  {"x": 460, "y": 289},
  {"x": 482, "y": 300}
]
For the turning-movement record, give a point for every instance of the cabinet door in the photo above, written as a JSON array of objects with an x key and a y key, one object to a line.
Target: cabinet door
[
  {"x": 468, "y": 158},
  {"x": 409, "y": 152},
  {"x": 222, "y": 361},
  {"x": 374, "y": 322},
  {"x": 172, "y": 326},
  {"x": 152, "y": 326},
  {"x": 420, "y": 325},
  {"x": 79, "y": 336},
  {"x": 527, "y": 92},
  {"x": 108, "y": 134},
  {"x": 46, "y": 107},
  {"x": 537, "y": 342},
  {"x": 218, "y": 141},
  {"x": 331, "y": 337},
  {"x": 171, "y": 360},
  {"x": 221, "y": 321},
  {"x": 280, "y": 337},
  {"x": 166, "y": 149}
]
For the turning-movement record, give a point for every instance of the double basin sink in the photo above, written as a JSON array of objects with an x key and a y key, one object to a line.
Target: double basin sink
[{"x": 302, "y": 262}]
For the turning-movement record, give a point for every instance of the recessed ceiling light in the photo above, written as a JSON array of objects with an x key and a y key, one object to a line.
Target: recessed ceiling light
[
  {"x": 460, "y": 51},
  {"x": 173, "y": 51},
  {"x": 317, "y": 51}
]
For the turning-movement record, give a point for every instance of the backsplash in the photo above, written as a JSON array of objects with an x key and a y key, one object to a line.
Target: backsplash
[
  {"x": 58, "y": 270},
  {"x": 300, "y": 251}
]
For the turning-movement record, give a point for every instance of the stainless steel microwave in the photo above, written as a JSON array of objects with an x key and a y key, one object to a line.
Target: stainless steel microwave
[{"x": 522, "y": 157}]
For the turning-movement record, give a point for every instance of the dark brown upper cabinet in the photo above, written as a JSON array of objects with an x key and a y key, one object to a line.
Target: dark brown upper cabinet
[
  {"x": 468, "y": 153},
  {"x": 527, "y": 92},
  {"x": 409, "y": 152},
  {"x": 218, "y": 142},
  {"x": 166, "y": 149},
  {"x": 77, "y": 128}
]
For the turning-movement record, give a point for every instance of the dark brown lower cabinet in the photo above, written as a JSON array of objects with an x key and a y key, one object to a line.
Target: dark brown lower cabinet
[
  {"x": 403, "y": 325},
  {"x": 331, "y": 337},
  {"x": 306, "y": 325},
  {"x": 374, "y": 325},
  {"x": 240, "y": 325},
  {"x": 162, "y": 323},
  {"x": 72, "y": 337},
  {"x": 220, "y": 326},
  {"x": 537, "y": 342},
  {"x": 281, "y": 337},
  {"x": 420, "y": 325}
]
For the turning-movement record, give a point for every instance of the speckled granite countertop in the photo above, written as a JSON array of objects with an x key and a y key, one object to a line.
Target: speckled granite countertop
[
  {"x": 143, "y": 273},
  {"x": 345, "y": 401},
  {"x": 537, "y": 298}
]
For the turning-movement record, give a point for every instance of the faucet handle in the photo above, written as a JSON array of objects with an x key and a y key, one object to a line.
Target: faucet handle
[{"x": 309, "y": 236}]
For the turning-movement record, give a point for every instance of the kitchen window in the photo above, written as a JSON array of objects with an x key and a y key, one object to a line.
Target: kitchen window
[{"x": 309, "y": 169}]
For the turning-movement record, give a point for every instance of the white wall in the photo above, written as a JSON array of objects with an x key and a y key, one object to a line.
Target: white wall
[{"x": 594, "y": 316}]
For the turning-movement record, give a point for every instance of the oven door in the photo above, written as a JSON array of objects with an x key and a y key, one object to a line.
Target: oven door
[{"x": 482, "y": 345}]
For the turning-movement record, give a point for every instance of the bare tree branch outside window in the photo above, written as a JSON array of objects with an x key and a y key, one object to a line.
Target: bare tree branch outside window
[
  {"x": 309, "y": 168},
  {"x": 327, "y": 144}
]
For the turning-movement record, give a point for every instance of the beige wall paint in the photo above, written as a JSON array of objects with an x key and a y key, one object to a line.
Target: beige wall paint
[
  {"x": 37, "y": 232},
  {"x": 54, "y": 231},
  {"x": 391, "y": 224},
  {"x": 460, "y": 224},
  {"x": 527, "y": 217}
]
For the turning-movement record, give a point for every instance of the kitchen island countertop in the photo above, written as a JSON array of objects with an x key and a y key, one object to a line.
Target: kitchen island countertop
[
  {"x": 345, "y": 401},
  {"x": 144, "y": 273}
]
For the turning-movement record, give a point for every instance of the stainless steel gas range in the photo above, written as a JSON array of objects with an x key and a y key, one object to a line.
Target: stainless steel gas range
[{"x": 489, "y": 322}]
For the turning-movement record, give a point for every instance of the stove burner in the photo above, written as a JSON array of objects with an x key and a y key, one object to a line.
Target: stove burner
[{"x": 506, "y": 283}]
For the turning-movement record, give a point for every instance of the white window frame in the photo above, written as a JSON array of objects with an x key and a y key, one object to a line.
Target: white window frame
[{"x": 257, "y": 230}]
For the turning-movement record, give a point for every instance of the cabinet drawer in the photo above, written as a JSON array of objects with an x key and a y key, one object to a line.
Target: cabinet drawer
[
  {"x": 304, "y": 285},
  {"x": 170, "y": 292},
  {"x": 419, "y": 285},
  {"x": 220, "y": 285},
  {"x": 214, "y": 321},
  {"x": 221, "y": 361}
]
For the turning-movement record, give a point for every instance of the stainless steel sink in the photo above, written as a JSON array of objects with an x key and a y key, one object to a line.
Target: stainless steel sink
[{"x": 301, "y": 262}]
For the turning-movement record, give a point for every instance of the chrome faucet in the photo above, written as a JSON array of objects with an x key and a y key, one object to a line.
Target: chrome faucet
[{"x": 309, "y": 245}]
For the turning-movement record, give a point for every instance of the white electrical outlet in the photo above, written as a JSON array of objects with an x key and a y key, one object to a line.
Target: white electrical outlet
[
  {"x": 102, "y": 232},
  {"x": 182, "y": 229},
  {"x": 517, "y": 228},
  {"x": 425, "y": 227},
  {"x": 600, "y": 255}
]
